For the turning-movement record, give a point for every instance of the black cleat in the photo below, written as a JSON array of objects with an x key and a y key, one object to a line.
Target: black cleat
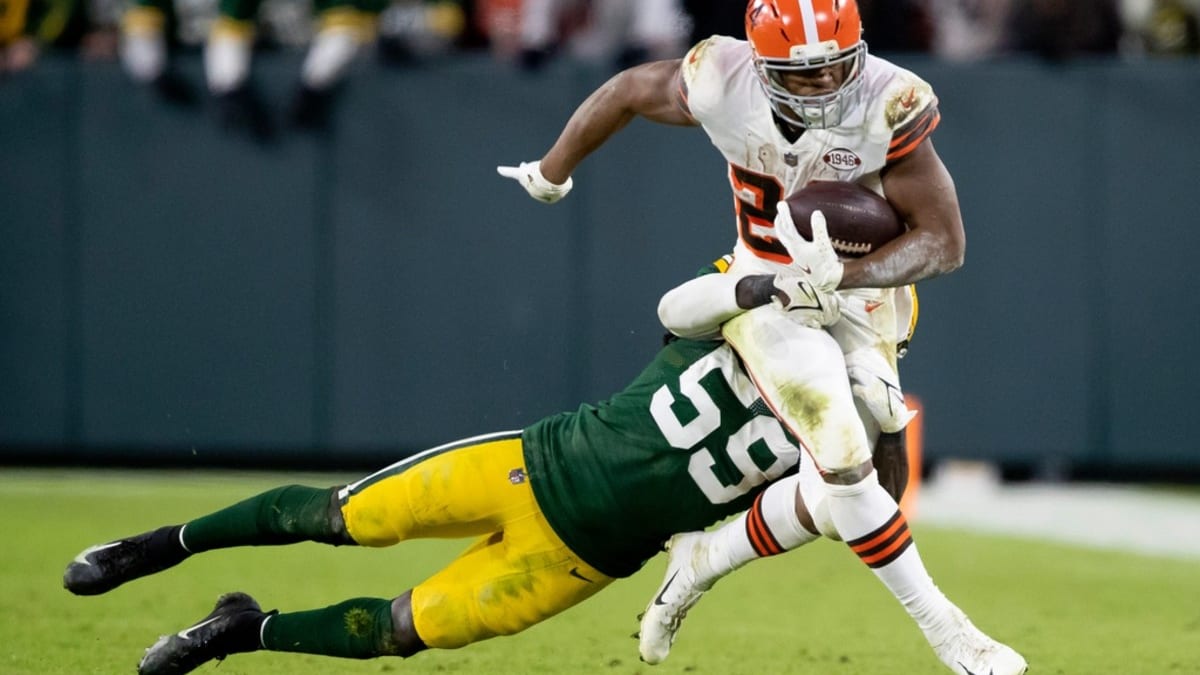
[
  {"x": 231, "y": 628},
  {"x": 101, "y": 568}
]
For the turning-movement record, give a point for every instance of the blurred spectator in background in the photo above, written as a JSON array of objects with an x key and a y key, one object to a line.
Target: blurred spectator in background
[
  {"x": 343, "y": 28},
  {"x": 150, "y": 31},
  {"x": 1060, "y": 29},
  {"x": 27, "y": 27},
  {"x": 413, "y": 30},
  {"x": 968, "y": 29},
  {"x": 891, "y": 26},
  {"x": 622, "y": 32},
  {"x": 715, "y": 17},
  {"x": 496, "y": 25},
  {"x": 1162, "y": 27},
  {"x": 228, "y": 31}
]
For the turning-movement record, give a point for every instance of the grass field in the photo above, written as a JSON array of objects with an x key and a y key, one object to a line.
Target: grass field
[{"x": 814, "y": 611}]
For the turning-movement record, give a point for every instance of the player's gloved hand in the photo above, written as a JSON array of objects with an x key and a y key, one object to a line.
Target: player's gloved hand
[
  {"x": 804, "y": 303},
  {"x": 873, "y": 381},
  {"x": 529, "y": 175},
  {"x": 815, "y": 259}
]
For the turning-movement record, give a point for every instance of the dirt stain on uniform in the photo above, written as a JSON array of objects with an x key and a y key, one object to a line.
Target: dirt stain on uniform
[{"x": 359, "y": 622}]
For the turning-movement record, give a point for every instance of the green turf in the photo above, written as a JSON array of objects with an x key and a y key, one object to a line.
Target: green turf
[{"x": 814, "y": 611}]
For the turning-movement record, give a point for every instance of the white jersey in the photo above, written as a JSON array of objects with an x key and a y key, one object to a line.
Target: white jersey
[
  {"x": 723, "y": 93},
  {"x": 897, "y": 110}
]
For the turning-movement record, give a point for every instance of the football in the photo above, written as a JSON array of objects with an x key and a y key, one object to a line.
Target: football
[{"x": 859, "y": 221}]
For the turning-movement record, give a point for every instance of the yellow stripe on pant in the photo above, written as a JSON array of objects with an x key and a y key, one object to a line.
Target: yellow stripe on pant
[{"x": 516, "y": 574}]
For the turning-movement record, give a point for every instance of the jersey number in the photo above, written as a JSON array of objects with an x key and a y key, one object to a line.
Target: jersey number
[
  {"x": 755, "y": 197},
  {"x": 758, "y": 449}
]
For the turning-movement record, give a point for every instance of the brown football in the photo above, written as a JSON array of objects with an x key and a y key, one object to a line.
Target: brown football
[{"x": 858, "y": 220}]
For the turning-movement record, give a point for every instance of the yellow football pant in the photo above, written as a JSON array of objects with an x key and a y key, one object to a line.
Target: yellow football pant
[{"x": 516, "y": 574}]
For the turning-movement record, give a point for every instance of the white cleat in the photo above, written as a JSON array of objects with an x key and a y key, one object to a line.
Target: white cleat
[
  {"x": 686, "y": 580},
  {"x": 970, "y": 652}
]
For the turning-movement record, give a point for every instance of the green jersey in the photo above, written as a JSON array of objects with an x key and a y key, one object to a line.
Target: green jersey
[{"x": 688, "y": 443}]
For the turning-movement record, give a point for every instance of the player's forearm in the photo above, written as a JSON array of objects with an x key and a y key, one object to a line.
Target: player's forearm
[
  {"x": 697, "y": 308},
  {"x": 914, "y": 257},
  {"x": 647, "y": 90},
  {"x": 921, "y": 190},
  {"x": 603, "y": 114}
]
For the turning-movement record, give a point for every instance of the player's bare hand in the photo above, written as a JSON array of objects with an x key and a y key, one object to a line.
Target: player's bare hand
[
  {"x": 529, "y": 175},
  {"x": 804, "y": 303},
  {"x": 814, "y": 259}
]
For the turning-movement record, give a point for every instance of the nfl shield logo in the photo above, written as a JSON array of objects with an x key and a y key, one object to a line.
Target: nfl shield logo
[
  {"x": 790, "y": 159},
  {"x": 516, "y": 476}
]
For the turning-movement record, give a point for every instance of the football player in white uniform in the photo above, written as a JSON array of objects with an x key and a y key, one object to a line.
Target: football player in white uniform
[{"x": 802, "y": 100}]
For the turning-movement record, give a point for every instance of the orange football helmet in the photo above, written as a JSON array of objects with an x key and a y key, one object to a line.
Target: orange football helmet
[{"x": 792, "y": 35}]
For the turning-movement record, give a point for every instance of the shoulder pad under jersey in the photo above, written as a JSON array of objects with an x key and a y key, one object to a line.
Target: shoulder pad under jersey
[
  {"x": 904, "y": 104},
  {"x": 707, "y": 71}
]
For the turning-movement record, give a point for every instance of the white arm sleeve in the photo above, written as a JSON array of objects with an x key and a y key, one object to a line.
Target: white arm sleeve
[{"x": 697, "y": 308}]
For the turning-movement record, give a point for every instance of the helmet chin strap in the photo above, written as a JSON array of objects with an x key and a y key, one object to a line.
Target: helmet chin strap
[{"x": 813, "y": 112}]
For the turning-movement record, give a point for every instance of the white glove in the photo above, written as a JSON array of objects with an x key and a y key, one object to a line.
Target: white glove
[
  {"x": 529, "y": 175},
  {"x": 804, "y": 304},
  {"x": 815, "y": 259}
]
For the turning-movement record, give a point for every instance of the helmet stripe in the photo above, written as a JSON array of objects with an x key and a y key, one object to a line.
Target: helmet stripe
[{"x": 808, "y": 14}]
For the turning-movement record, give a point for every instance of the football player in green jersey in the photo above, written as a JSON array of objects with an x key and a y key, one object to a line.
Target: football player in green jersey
[{"x": 557, "y": 511}]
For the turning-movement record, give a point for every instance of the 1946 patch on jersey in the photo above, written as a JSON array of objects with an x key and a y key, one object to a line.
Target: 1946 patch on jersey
[{"x": 842, "y": 159}]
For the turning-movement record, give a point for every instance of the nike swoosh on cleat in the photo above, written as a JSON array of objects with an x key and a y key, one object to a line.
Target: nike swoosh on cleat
[
  {"x": 185, "y": 634},
  {"x": 575, "y": 573},
  {"x": 82, "y": 558},
  {"x": 659, "y": 600},
  {"x": 968, "y": 671}
]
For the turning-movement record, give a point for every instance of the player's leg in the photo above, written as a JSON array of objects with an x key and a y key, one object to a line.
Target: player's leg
[
  {"x": 804, "y": 374},
  {"x": 790, "y": 513},
  {"x": 283, "y": 515},
  {"x": 514, "y": 576},
  {"x": 801, "y": 374},
  {"x": 143, "y": 47},
  {"x": 490, "y": 590},
  {"x": 344, "y": 28},
  {"x": 227, "y": 52},
  {"x": 777, "y": 522},
  {"x": 358, "y": 628},
  {"x": 506, "y": 581},
  {"x": 872, "y": 322},
  {"x": 503, "y": 586},
  {"x": 378, "y": 506},
  {"x": 144, "y": 50}
]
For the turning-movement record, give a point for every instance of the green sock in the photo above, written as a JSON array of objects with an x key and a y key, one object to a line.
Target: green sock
[
  {"x": 285, "y": 515},
  {"x": 360, "y": 628}
]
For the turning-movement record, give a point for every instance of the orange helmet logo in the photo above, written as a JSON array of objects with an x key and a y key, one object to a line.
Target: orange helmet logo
[{"x": 776, "y": 28}]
